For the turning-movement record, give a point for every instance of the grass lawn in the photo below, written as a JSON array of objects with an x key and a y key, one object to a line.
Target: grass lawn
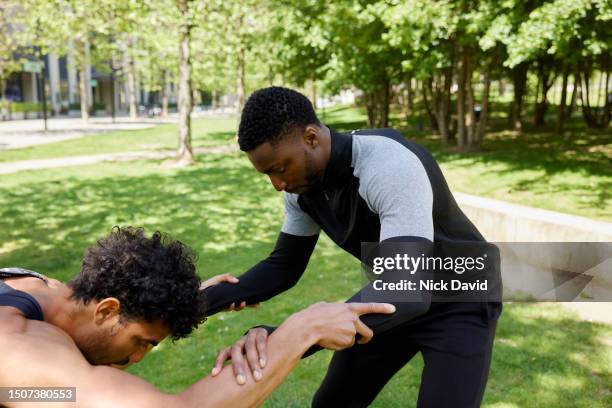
[
  {"x": 570, "y": 173},
  {"x": 544, "y": 355}
]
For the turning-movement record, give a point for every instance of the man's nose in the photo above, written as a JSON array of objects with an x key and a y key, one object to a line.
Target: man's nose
[{"x": 278, "y": 184}]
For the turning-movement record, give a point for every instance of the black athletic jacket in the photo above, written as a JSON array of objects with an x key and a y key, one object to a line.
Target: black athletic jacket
[{"x": 378, "y": 186}]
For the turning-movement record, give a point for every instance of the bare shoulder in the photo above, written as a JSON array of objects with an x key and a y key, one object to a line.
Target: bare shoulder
[
  {"x": 45, "y": 350},
  {"x": 37, "y": 354}
]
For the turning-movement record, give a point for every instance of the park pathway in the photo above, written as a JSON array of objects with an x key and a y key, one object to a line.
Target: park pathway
[
  {"x": 42, "y": 164},
  {"x": 15, "y": 134}
]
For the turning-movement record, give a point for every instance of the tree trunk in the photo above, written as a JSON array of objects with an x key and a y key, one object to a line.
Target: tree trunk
[
  {"x": 240, "y": 80},
  {"x": 131, "y": 80},
  {"x": 313, "y": 89},
  {"x": 461, "y": 82},
  {"x": 185, "y": 153},
  {"x": 546, "y": 78},
  {"x": 608, "y": 101},
  {"x": 537, "y": 95},
  {"x": 377, "y": 105},
  {"x": 585, "y": 74},
  {"x": 600, "y": 89},
  {"x": 83, "y": 84},
  {"x": 445, "y": 106},
  {"x": 561, "y": 113},
  {"x": 164, "y": 92},
  {"x": 385, "y": 102},
  {"x": 481, "y": 127},
  {"x": 440, "y": 101},
  {"x": 369, "y": 108},
  {"x": 213, "y": 102},
  {"x": 519, "y": 79},
  {"x": 574, "y": 100},
  {"x": 595, "y": 118},
  {"x": 427, "y": 85},
  {"x": 240, "y": 59},
  {"x": 409, "y": 97},
  {"x": 470, "y": 118}
]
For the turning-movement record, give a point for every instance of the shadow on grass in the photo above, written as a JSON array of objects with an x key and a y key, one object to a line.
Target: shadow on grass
[
  {"x": 546, "y": 155},
  {"x": 213, "y": 138},
  {"x": 47, "y": 225}
]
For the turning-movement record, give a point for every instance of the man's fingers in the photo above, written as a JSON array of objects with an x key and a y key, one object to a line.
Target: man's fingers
[
  {"x": 364, "y": 331},
  {"x": 261, "y": 341},
  {"x": 238, "y": 363},
  {"x": 238, "y": 307},
  {"x": 252, "y": 356},
  {"x": 366, "y": 308},
  {"x": 223, "y": 356},
  {"x": 226, "y": 277}
]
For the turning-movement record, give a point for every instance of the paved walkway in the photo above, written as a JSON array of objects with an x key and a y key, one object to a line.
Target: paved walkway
[
  {"x": 16, "y": 134},
  {"x": 42, "y": 164},
  {"x": 600, "y": 312}
]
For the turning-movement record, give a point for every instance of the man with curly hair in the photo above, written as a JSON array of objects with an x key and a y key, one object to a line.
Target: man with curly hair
[
  {"x": 373, "y": 186},
  {"x": 131, "y": 293}
]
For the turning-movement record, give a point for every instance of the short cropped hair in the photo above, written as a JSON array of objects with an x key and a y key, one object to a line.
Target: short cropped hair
[
  {"x": 271, "y": 113},
  {"x": 154, "y": 279}
]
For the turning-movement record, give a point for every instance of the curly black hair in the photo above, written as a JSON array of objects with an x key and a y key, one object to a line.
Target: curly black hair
[
  {"x": 271, "y": 113},
  {"x": 154, "y": 279}
]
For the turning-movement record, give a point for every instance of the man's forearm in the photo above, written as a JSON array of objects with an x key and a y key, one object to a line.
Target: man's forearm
[
  {"x": 277, "y": 273},
  {"x": 286, "y": 345}
]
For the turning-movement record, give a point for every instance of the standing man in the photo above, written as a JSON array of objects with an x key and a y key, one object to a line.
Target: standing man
[{"x": 363, "y": 186}]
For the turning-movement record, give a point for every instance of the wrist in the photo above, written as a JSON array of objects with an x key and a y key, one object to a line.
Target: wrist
[{"x": 304, "y": 325}]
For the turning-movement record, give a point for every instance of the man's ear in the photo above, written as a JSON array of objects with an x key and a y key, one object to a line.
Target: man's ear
[
  {"x": 311, "y": 136},
  {"x": 106, "y": 310}
]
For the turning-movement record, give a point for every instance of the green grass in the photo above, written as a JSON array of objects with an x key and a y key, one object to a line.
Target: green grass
[
  {"x": 544, "y": 355},
  {"x": 570, "y": 173}
]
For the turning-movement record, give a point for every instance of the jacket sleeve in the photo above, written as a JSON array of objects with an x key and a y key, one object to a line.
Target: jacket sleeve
[{"x": 278, "y": 272}]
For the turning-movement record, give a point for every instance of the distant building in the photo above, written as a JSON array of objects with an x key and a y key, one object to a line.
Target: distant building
[{"x": 62, "y": 88}]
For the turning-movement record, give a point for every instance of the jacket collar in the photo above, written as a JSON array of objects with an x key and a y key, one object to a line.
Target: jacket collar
[{"x": 338, "y": 168}]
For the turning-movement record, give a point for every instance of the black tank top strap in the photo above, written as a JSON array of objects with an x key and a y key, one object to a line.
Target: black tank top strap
[
  {"x": 19, "y": 272},
  {"x": 18, "y": 299}
]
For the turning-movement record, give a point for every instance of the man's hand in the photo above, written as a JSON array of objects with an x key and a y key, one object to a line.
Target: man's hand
[
  {"x": 229, "y": 278},
  {"x": 253, "y": 346},
  {"x": 336, "y": 325}
]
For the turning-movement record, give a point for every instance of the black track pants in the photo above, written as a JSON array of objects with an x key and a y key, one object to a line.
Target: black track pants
[{"x": 456, "y": 340}]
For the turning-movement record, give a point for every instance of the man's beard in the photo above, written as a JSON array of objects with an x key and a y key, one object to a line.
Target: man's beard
[
  {"x": 312, "y": 178},
  {"x": 95, "y": 348}
]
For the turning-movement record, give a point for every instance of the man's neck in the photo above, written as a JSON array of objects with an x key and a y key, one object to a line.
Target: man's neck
[
  {"x": 326, "y": 146},
  {"x": 55, "y": 300}
]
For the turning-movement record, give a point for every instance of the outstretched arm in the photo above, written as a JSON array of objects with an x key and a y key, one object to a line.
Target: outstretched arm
[
  {"x": 54, "y": 361},
  {"x": 279, "y": 271}
]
